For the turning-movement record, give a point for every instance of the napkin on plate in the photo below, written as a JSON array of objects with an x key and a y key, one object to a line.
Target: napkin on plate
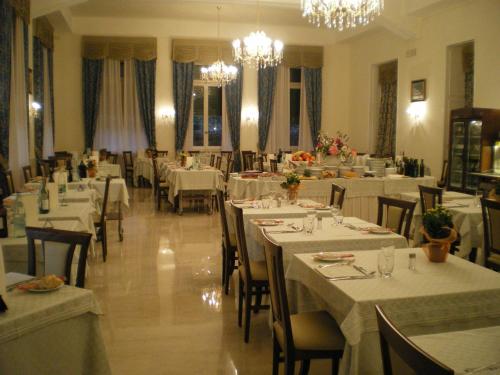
[{"x": 339, "y": 271}]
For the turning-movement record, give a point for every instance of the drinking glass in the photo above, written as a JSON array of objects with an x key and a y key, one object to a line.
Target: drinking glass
[
  {"x": 339, "y": 218},
  {"x": 266, "y": 203},
  {"x": 386, "y": 262},
  {"x": 309, "y": 223},
  {"x": 334, "y": 209}
]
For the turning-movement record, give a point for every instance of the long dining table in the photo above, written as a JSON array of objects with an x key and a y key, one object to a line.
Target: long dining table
[{"x": 433, "y": 298}]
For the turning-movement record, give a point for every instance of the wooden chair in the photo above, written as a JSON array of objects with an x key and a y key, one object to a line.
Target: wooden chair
[
  {"x": 72, "y": 239},
  {"x": 491, "y": 222},
  {"x": 248, "y": 161},
  {"x": 212, "y": 160},
  {"x": 162, "y": 153},
  {"x": 260, "y": 161},
  {"x": 10, "y": 182},
  {"x": 430, "y": 197},
  {"x": 160, "y": 188},
  {"x": 337, "y": 195},
  {"x": 45, "y": 169},
  {"x": 396, "y": 212},
  {"x": 400, "y": 355},
  {"x": 28, "y": 175},
  {"x": 227, "y": 174},
  {"x": 3, "y": 221},
  {"x": 183, "y": 160},
  {"x": 100, "y": 226},
  {"x": 112, "y": 158},
  {"x": 193, "y": 153},
  {"x": 253, "y": 280},
  {"x": 273, "y": 163},
  {"x": 229, "y": 247},
  {"x": 128, "y": 163},
  {"x": 443, "y": 181},
  {"x": 218, "y": 162},
  {"x": 300, "y": 337},
  {"x": 227, "y": 154}
]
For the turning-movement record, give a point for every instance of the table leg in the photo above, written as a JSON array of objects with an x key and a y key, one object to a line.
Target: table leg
[{"x": 179, "y": 209}]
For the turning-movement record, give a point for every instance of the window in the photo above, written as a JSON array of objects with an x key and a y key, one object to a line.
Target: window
[
  {"x": 206, "y": 112},
  {"x": 295, "y": 79}
]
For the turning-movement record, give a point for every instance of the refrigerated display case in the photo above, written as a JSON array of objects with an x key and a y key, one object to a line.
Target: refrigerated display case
[{"x": 473, "y": 133}]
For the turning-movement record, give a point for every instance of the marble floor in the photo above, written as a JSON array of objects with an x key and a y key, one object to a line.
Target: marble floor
[{"x": 164, "y": 310}]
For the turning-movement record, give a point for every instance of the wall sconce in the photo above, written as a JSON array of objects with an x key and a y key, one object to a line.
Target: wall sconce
[
  {"x": 35, "y": 110},
  {"x": 250, "y": 115},
  {"x": 167, "y": 114},
  {"x": 417, "y": 111}
]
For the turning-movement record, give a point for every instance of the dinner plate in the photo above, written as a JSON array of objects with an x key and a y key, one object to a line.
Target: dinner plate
[
  {"x": 332, "y": 257},
  {"x": 33, "y": 290},
  {"x": 317, "y": 206},
  {"x": 268, "y": 223},
  {"x": 376, "y": 230}
]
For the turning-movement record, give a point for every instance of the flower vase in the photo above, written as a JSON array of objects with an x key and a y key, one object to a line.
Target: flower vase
[
  {"x": 292, "y": 193},
  {"x": 91, "y": 172},
  {"x": 438, "y": 248},
  {"x": 332, "y": 160}
]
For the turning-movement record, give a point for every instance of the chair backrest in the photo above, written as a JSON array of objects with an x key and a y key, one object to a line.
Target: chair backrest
[
  {"x": 229, "y": 170},
  {"x": 491, "y": 220},
  {"x": 260, "y": 161},
  {"x": 10, "y": 182},
  {"x": 112, "y": 158},
  {"x": 192, "y": 153},
  {"x": 3, "y": 220},
  {"x": 241, "y": 241},
  {"x": 396, "y": 212},
  {"x": 105, "y": 202},
  {"x": 212, "y": 160},
  {"x": 277, "y": 287},
  {"x": 162, "y": 153},
  {"x": 273, "y": 163},
  {"x": 60, "y": 260},
  {"x": 128, "y": 160},
  {"x": 227, "y": 154},
  {"x": 337, "y": 195},
  {"x": 28, "y": 175},
  {"x": 400, "y": 355},
  {"x": 156, "y": 175},
  {"x": 223, "y": 218},
  {"x": 248, "y": 161},
  {"x": 430, "y": 197},
  {"x": 45, "y": 168},
  {"x": 218, "y": 162},
  {"x": 444, "y": 175}
]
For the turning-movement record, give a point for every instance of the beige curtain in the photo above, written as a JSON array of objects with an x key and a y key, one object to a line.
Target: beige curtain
[
  {"x": 48, "y": 136},
  {"x": 305, "y": 140},
  {"x": 279, "y": 128},
  {"x": 226, "y": 137},
  {"x": 18, "y": 123}
]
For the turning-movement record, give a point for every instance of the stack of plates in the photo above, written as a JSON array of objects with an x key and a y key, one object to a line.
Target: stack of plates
[
  {"x": 377, "y": 166},
  {"x": 316, "y": 171}
]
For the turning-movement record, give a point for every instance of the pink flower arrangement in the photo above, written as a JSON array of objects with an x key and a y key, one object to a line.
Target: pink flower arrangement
[{"x": 337, "y": 146}]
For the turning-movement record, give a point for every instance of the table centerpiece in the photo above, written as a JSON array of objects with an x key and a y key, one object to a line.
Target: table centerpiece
[
  {"x": 438, "y": 229},
  {"x": 291, "y": 184},
  {"x": 334, "y": 150}
]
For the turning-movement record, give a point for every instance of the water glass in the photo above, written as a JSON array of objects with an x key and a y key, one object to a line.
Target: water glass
[
  {"x": 334, "y": 209},
  {"x": 339, "y": 218},
  {"x": 386, "y": 262},
  {"x": 309, "y": 224},
  {"x": 266, "y": 203}
]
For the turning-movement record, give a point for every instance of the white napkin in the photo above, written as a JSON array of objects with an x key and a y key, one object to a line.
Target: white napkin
[{"x": 339, "y": 271}]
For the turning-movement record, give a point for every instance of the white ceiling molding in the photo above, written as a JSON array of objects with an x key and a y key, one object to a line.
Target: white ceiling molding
[{"x": 43, "y": 7}]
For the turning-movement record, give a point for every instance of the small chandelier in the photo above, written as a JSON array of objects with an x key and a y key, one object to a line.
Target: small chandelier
[
  {"x": 258, "y": 50},
  {"x": 341, "y": 14},
  {"x": 219, "y": 72}
]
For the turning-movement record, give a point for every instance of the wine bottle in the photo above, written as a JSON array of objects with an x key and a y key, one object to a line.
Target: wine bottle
[
  {"x": 43, "y": 198},
  {"x": 422, "y": 168},
  {"x": 82, "y": 170}
]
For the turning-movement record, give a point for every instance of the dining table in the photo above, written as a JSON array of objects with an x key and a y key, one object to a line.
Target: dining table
[
  {"x": 143, "y": 168},
  {"x": 104, "y": 169},
  {"x": 118, "y": 191},
  {"x": 429, "y": 299},
  {"x": 52, "y": 333},
  {"x": 360, "y": 196}
]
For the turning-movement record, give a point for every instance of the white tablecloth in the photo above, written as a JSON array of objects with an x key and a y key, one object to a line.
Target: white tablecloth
[
  {"x": 55, "y": 333},
  {"x": 182, "y": 180},
  {"x": 114, "y": 170},
  {"x": 434, "y": 298},
  {"x": 330, "y": 238},
  {"x": 360, "y": 198},
  {"x": 143, "y": 167},
  {"x": 117, "y": 188},
  {"x": 464, "y": 350}
]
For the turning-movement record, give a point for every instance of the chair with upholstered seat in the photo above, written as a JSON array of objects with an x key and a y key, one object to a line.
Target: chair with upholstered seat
[
  {"x": 253, "y": 280},
  {"x": 400, "y": 355},
  {"x": 396, "y": 214},
  {"x": 430, "y": 197},
  {"x": 160, "y": 188},
  {"x": 53, "y": 265},
  {"x": 337, "y": 195},
  {"x": 27, "y": 173},
  {"x": 229, "y": 247},
  {"x": 300, "y": 337},
  {"x": 491, "y": 232},
  {"x": 128, "y": 163}
]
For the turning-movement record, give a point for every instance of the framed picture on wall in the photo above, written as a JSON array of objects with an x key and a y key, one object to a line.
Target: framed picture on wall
[{"x": 418, "y": 93}]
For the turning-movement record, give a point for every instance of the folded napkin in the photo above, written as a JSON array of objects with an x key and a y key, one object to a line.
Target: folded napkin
[{"x": 340, "y": 271}]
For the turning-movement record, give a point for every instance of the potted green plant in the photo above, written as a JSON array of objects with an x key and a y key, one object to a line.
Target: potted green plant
[
  {"x": 438, "y": 229},
  {"x": 291, "y": 184}
]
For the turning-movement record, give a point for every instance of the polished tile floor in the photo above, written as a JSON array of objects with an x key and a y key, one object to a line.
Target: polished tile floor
[{"x": 164, "y": 310}]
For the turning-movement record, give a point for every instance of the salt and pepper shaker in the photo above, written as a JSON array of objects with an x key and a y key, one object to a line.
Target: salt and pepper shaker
[
  {"x": 319, "y": 225},
  {"x": 412, "y": 259}
]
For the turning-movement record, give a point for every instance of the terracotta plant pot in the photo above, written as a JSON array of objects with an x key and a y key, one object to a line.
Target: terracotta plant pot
[
  {"x": 438, "y": 248},
  {"x": 293, "y": 192},
  {"x": 91, "y": 172}
]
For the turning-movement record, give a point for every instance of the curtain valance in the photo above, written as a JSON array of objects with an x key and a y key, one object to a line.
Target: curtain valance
[
  {"x": 118, "y": 48},
  {"x": 206, "y": 51},
  {"x": 44, "y": 31},
  {"x": 22, "y": 9},
  {"x": 388, "y": 73}
]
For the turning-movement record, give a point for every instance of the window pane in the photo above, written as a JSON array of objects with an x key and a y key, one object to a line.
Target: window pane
[
  {"x": 294, "y": 116},
  {"x": 214, "y": 116},
  {"x": 197, "y": 72},
  {"x": 295, "y": 74},
  {"x": 198, "y": 116}
]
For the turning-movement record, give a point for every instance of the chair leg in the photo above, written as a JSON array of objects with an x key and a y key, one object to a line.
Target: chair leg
[
  {"x": 258, "y": 301},
  {"x": 223, "y": 265},
  {"x": 289, "y": 366},
  {"x": 248, "y": 306},
  {"x": 120, "y": 227},
  {"x": 335, "y": 366},
  {"x": 304, "y": 367},
  {"x": 104, "y": 242},
  {"x": 229, "y": 271},
  {"x": 276, "y": 356},
  {"x": 240, "y": 301}
]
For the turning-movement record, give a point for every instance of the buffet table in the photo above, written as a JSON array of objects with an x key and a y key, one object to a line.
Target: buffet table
[
  {"x": 360, "y": 198},
  {"x": 52, "y": 333},
  {"x": 436, "y": 297}
]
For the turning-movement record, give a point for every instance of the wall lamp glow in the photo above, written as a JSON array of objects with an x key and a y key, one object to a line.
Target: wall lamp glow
[
  {"x": 167, "y": 113},
  {"x": 417, "y": 111},
  {"x": 250, "y": 115},
  {"x": 35, "y": 109}
]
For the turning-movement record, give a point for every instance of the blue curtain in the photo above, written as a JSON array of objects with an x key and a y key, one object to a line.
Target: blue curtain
[
  {"x": 38, "y": 84},
  {"x": 313, "y": 83},
  {"x": 145, "y": 78},
  {"x": 6, "y": 27},
  {"x": 92, "y": 86},
  {"x": 233, "y": 104},
  {"x": 267, "y": 88},
  {"x": 183, "y": 91}
]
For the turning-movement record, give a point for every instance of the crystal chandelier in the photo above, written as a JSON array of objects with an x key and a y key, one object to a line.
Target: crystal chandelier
[
  {"x": 258, "y": 50},
  {"x": 341, "y": 14},
  {"x": 219, "y": 72}
]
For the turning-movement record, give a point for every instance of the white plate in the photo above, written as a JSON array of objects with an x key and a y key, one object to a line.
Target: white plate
[
  {"x": 268, "y": 223},
  {"x": 45, "y": 290}
]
